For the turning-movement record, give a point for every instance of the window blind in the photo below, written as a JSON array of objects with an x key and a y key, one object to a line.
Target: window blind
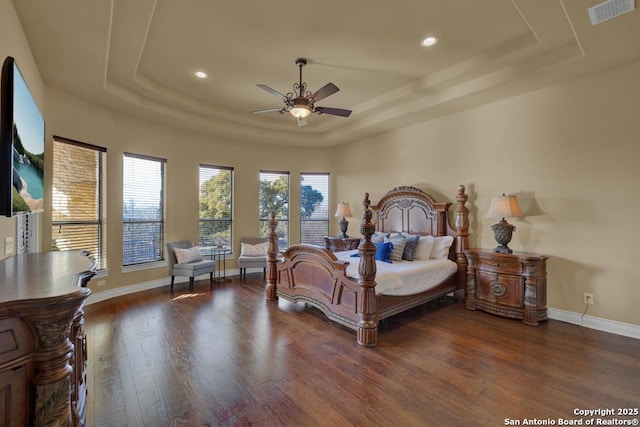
[
  {"x": 274, "y": 197},
  {"x": 314, "y": 208},
  {"x": 78, "y": 198},
  {"x": 142, "y": 209},
  {"x": 215, "y": 205}
]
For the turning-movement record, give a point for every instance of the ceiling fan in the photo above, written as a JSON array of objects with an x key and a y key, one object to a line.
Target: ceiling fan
[{"x": 301, "y": 103}]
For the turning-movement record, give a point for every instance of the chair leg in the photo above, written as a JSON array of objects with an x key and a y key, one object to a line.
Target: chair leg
[
  {"x": 211, "y": 280},
  {"x": 172, "y": 279},
  {"x": 264, "y": 273},
  {"x": 191, "y": 283}
]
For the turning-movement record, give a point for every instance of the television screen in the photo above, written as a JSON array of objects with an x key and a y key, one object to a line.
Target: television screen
[{"x": 21, "y": 145}]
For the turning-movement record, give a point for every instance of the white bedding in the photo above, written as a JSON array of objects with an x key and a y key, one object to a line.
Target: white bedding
[{"x": 403, "y": 277}]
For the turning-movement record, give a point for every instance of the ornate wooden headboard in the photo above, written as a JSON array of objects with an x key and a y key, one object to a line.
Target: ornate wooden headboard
[{"x": 411, "y": 210}]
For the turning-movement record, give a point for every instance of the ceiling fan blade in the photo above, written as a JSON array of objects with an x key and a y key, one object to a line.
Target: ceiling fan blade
[
  {"x": 324, "y": 91},
  {"x": 333, "y": 111},
  {"x": 302, "y": 122},
  {"x": 273, "y": 91},
  {"x": 268, "y": 110}
]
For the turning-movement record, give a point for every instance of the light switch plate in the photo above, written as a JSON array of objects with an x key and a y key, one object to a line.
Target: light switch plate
[{"x": 8, "y": 245}]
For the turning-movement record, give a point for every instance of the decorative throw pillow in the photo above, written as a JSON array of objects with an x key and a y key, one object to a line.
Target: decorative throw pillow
[
  {"x": 410, "y": 246},
  {"x": 378, "y": 237},
  {"x": 424, "y": 248},
  {"x": 441, "y": 247},
  {"x": 383, "y": 251},
  {"x": 397, "y": 249},
  {"x": 247, "y": 249},
  {"x": 184, "y": 256}
]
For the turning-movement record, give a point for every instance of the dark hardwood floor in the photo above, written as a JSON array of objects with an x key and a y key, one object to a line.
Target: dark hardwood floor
[{"x": 226, "y": 357}]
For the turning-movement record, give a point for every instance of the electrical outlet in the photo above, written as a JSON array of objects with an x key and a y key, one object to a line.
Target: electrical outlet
[
  {"x": 588, "y": 298},
  {"x": 8, "y": 245}
]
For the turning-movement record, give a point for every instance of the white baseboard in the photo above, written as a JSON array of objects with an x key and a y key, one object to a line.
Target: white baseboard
[
  {"x": 605, "y": 325},
  {"x": 97, "y": 296}
]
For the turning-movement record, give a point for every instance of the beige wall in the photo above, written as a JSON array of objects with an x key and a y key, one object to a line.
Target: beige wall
[
  {"x": 73, "y": 118},
  {"x": 570, "y": 152},
  {"x": 14, "y": 43}
]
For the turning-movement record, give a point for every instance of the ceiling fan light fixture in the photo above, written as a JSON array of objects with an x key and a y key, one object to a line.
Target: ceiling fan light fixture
[
  {"x": 301, "y": 103},
  {"x": 300, "y": 109}
]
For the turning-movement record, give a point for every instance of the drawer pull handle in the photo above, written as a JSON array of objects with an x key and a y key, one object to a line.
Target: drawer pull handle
[{"x": 498, "y": 289}]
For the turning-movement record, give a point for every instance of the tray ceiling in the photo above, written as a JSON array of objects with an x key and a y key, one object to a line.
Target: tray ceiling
[{"x": 140, "y": 56}]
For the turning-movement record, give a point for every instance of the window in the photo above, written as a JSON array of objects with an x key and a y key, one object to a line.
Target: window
[
  {"x": 215, "y": 205},
  {"x": 314, "y": 208},
  {"x": 274, "y": 197},
  {"x": 142, "y": 209},
  {"x": 78, "y": 198}
]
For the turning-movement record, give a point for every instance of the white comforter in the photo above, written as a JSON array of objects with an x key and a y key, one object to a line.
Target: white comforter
[{"x": 403, "y": 277}]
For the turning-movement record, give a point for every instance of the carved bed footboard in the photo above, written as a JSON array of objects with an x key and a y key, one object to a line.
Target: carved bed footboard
[{"x": 313, "y": 275}]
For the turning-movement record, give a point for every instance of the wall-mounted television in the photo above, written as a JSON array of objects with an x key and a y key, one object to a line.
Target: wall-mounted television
[{"x": 21, "y": 145}]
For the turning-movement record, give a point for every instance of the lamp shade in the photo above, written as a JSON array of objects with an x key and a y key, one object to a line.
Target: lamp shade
[
  {"x": 343, "y": 210},
  {"x": 504, "y": 207}
]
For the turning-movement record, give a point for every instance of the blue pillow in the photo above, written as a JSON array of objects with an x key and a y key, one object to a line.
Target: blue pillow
[{"x": 383, "y": 252}]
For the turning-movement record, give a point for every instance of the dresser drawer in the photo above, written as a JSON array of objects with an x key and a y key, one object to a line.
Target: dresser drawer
[
  {"x": 337, "y": 244},
  {"x": 500, "y": 265},
  {"x": 503, "y": 289}
]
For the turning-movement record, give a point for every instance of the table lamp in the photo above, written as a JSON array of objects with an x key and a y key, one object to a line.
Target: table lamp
[
  {"x": 342, "y": 211},
  {"x": 503, "y": 207}
]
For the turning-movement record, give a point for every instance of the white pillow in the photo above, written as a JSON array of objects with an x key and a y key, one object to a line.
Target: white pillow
[
  {"x": 424, "y": 248},
  {"x": 184, "y": 256},
  {"x": 441, "y": 247},
  {"x": 259, "y": 249}
]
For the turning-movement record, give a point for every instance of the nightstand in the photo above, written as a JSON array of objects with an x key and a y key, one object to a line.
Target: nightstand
[
  {"x": 337, "y": 244},
  {"x": 510, "y": 285}
]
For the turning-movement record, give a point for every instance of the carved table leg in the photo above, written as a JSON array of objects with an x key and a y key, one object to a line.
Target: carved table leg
[
  {"x": 470, "y": 294},
  {"x": 52, "y": 378},
  {"x": 530, "y": 315}
]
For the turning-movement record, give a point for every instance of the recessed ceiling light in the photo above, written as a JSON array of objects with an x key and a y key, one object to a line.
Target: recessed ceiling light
[
  {"x": 429, "y": 41},
  {"x": 200, "y": 74}
]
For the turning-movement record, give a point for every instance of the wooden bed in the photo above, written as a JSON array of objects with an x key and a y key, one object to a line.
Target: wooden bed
[{"x": 310, "y": 274}]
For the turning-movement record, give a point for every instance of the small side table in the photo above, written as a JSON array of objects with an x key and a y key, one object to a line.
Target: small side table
[
  {"x": 510, "y": 285},
  {"x": 337, "y": 244},
  {"x": 218, "y": 254}
]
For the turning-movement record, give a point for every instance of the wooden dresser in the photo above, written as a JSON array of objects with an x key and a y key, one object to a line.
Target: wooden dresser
[
  {"x": 510, "y": 285},
  {"x": 42, "y": 338},
  {"x": 337, "y": 244}
]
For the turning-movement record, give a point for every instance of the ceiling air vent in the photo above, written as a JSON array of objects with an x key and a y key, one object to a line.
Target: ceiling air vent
[{"x": 609, "y": 9}]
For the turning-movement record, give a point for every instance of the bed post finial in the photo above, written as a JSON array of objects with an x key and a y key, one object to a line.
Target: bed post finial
[
  {"x": 272, "y": 258},
  {"x": 367, "y": 329},
  {"x": 462, "y": 238}
]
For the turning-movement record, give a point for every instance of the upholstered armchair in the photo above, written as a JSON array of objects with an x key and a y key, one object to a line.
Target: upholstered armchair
[
  {"x": 252, "y": 255},
  {"x": 186, "y": 260}
]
